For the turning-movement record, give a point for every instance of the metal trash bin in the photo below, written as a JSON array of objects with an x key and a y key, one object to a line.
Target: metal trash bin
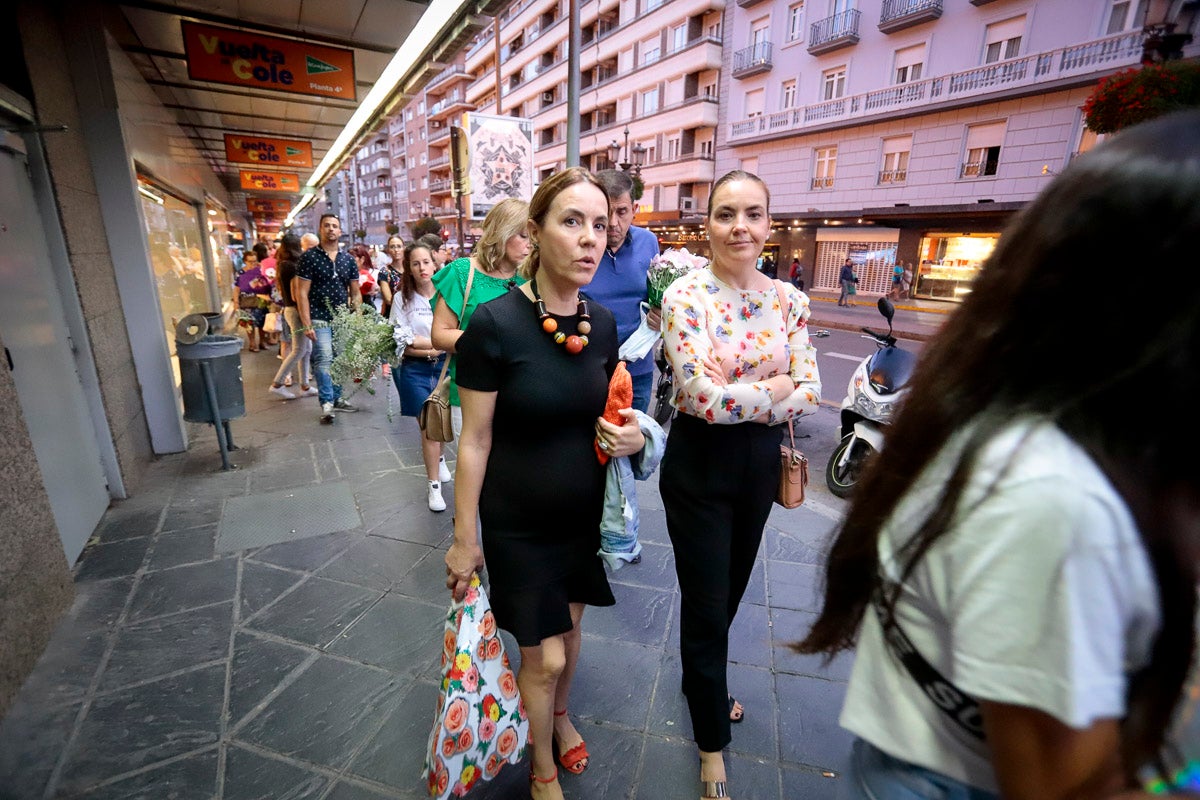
[
  {"x": 215, "y": 319},
  {"x": 211, "y": 376}
]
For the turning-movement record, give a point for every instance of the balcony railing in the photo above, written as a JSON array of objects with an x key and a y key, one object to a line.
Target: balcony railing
[
  {"x": 825, "y": 182},
  {"x": 840, "y": 30},
  {"x": 893, "y": 176},
  {"x": 440, "y": 161},
  {"x": 1016, "y": 74},
  {"x": 978, "y": 169},
  {"x": 752, "y": 60},
  {"x": 452, "y": 71},
  {"x": 897, "y": 15},
  {"x": 442, "y": 185}
]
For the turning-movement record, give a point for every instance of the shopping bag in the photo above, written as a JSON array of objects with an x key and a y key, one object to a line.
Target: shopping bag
[{"x": 480, "y": 723}]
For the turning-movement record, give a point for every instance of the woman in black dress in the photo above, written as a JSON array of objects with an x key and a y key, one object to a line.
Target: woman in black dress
[{"x": 533, "y": 374}]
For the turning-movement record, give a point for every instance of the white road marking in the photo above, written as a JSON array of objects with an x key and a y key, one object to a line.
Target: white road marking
[{"x": 845, "y": 356}]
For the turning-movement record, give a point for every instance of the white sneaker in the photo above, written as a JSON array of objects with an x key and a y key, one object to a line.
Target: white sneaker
[
  {"x": 327, "y": 413},
  {"x": 444, "y": 471},
  {"x": 309, "y": 392},
  {"x": 286, "y": 394},
  {"x": 436, "y": 502}
]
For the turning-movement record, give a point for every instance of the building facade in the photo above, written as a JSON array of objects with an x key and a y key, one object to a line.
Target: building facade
[
  {"x": 373, "y": 193},
  {"x": 911, "y": 130}
]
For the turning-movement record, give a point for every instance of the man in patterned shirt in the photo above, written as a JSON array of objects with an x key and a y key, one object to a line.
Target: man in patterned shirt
[{"x": 328, "y": 280}]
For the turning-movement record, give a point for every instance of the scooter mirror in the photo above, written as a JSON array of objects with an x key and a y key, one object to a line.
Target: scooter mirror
[
  {"x": 887, "y": 309},
  {"x": 820, "y": 334}
]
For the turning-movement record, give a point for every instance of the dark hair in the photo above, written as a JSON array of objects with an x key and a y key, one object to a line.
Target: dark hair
[
  {"x": 615, "y": 182},
  {"x": 1133, "y": 200},
  {"x": 408, "y": 283},
  {"x": 738, "y": 175},
  {"x": 261, "y": 250},
  {"x": 360, "y": 250},
  {"x": 327, "y": 214},
  {"x": 539, "y": 207},
  {"x": 427, "y": 225},
  {"x": 388, "y": 243},
  {"x": 432, "y": 240},
  {"x": 290, "y": 248},
  {"x": 248, "y": 253}
]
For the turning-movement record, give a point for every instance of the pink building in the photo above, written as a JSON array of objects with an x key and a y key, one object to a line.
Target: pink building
[{"x": 910, "y": 130}]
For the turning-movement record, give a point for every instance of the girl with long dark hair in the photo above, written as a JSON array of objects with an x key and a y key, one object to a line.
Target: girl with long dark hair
[
  {"x": 1023, "y": 549},
  {"x": 298, "y": 354}
]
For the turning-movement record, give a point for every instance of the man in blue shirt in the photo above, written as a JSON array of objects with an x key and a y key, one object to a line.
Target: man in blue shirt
[
  {"x": 620, "y": 280},
  {"x": 328, "y": 280}
]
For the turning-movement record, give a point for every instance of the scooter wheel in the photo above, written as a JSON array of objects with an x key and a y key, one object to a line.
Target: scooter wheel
[{"x": 841, "y": 478}]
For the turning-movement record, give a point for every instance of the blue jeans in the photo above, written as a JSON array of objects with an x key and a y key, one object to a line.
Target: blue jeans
[
  {"x": 322, "y": 357},
  {"x": 874, "y": 775},
  {"x": 643, "y": 387}
]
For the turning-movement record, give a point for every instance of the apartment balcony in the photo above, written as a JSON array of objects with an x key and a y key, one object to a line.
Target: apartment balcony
[
  {"x": 900, "y": 14},
  {"x": 446, "y": 76},
  {"x": 440, "y": 135},
  {"x": 448, "y": 105},
  {"x": 441, "y": 186},
  {"x": 439, "y": 162},
  {"x": 753, "y": 60},
  {"x": 832, "y": 33},
  {"x": 443, "y": 211},
  {"x": 748, "y": 3},
  {"x": 892, "y": 176},
  {"x": 980, "y": 2},
  {"x": 1080, "y": 64},
  {"x": 824, "y": 182}
]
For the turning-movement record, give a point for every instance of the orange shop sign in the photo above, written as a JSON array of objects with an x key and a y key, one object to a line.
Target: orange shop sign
[
  {"x": 268, "y": 206},
  {"x": 241, "y": 58},
  {"x": 256, "y": 180},
  {"x": 267, "y": 152}
]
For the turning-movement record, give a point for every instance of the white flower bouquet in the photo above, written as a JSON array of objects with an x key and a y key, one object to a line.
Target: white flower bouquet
[
  {"x": 362, "y": 340},
  {"x": 665, "y": 269}
]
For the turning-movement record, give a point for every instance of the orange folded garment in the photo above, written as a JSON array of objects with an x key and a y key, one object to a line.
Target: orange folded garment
[{"x": 620, "y": 395}]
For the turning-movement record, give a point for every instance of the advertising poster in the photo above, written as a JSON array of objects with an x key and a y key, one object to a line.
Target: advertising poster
[
  {"x": 267, "y": 152},
  {"x": 501, "y": 160},
  {"x": 264, "y": 206},
  {"x": 242, "y": 58}
]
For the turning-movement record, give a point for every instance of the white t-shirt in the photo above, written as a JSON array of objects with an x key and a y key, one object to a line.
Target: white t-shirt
[
  {"x": 1040, "y": 595},
  {"x": 411, "y": 319}
]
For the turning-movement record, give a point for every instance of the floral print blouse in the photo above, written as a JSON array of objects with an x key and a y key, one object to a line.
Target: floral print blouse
[{"x": 744, "y": 332}]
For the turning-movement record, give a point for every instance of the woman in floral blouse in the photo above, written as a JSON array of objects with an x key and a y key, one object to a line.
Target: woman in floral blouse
[{"x": 738, "y": 344}]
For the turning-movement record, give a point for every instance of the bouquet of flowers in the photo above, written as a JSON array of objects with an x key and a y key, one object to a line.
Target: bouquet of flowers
[
  {"x": 362, "y": 340},
  {"x": 666, "y": 268}
]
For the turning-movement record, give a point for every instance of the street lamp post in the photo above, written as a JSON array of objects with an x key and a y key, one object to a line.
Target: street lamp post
[{"x": 634, "y": 157}]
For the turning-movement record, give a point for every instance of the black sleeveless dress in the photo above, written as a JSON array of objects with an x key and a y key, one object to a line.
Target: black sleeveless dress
[{"x": 543, "y": 491}]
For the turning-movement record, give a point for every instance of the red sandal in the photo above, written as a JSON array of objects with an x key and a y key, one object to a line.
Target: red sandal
[
  {"x": 533, "y": 776},
  {"x": 575, "y": 760}
]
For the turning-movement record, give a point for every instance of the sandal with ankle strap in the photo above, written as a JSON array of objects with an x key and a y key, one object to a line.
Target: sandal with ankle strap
[
  {"x": 713, "y": 789},
  {"x": 575, "y": 760},
  {"x": 533, "y": 776}
]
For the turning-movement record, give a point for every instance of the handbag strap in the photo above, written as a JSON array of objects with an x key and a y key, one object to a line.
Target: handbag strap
[
  {"x": 462, "y": 312},
  {"x": 962, "y": 708},
  {"x": 785, "y": 308}
]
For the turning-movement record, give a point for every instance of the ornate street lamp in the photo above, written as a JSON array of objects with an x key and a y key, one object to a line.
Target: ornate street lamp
[{"x": 634, "y": 158}]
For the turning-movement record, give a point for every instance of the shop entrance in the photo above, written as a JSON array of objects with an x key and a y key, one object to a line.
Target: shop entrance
[
  {"x": 33, "y": 326},
  {"x": 949, "y": 264}
]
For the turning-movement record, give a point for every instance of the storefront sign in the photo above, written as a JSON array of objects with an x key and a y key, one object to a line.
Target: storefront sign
[
  {"x": 266, "y": 205},
  {"x": 241, "y": 58},
  {"x": 267, "y": 152},
  {"x": 255, "y": 180}
]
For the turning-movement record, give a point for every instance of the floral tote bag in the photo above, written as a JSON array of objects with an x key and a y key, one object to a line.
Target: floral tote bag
[{"x": 480, "y": 723}]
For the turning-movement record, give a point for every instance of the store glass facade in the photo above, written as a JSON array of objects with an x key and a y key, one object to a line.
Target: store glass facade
[{"x": 949, "y": 263}]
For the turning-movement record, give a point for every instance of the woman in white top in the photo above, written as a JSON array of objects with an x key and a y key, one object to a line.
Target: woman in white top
[
  {"x": 1019, "y": 550},
  {"x": 420, "y": 361}
]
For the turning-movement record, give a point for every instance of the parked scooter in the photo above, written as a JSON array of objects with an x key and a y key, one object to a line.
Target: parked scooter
[{"x": 872, "y": 399}]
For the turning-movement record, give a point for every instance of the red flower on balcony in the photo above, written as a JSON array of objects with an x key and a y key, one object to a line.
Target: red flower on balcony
[{"x": 1137, "y": 95}]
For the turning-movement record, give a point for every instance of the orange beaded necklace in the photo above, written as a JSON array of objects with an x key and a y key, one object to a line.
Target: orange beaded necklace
[{"x": 574, "y": 344}]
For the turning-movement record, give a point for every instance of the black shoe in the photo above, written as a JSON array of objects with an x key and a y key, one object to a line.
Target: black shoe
[{"x": 342, "y": 405}]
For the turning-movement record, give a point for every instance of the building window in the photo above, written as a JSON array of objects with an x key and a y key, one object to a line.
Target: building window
[
  {"x": 909, "y": 64},
  {"x": 672, "y": 149},
  {"x": 651, "y": 50},
  {"x": 982, "y": 150},
  {"x": 679, "y": 37},
  {"x": 650, "y": 101},
  {"x": 1003, "y": 40},
  {"x": 706, "y": 148},
  {"x": 824, "y": 167},
  {"x": 760, "y": 31},
  {"x": 710, "y": 90},
  {"x": 1126, "y": 15},
  {"x": 787, "y": 94},
  {"x": 651, "y": 155},
  {"x": 795, "y": 29},
  {"x": 714, "y": 30},
  {"x": 424, "y": 157},
  {"x": 754, "y": 104},
  {"x": 894, "y": 168},
  {"x": 833, "y": 83}
]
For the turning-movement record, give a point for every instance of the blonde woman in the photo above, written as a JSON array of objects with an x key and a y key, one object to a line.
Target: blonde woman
[{"x": 503, "y": 246}]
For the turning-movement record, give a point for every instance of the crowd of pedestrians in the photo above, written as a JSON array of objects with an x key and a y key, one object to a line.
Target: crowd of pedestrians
[{"x": 1013, "y": 553}]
